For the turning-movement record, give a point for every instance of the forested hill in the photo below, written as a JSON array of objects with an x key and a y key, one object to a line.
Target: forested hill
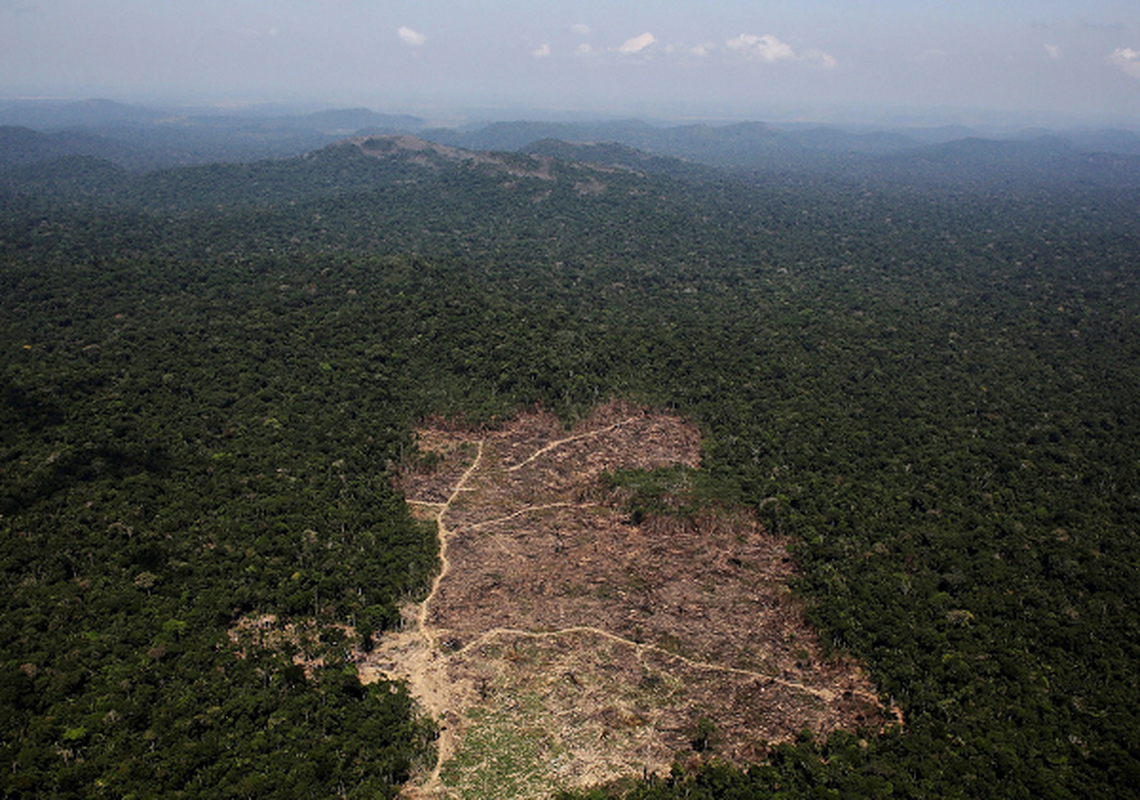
[
  {"x": 210, "y": 374},
  {"x": 397, "y": 195},
  {"x": 950, "y": 157},
  {"x": 20, "y": 145},
  {"x": 351, "y": 167}
]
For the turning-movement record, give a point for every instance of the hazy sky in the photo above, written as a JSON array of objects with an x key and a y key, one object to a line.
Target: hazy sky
[{"x": 720, "y": 56}]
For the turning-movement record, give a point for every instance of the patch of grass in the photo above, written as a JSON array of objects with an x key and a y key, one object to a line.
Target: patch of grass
[
  {"x": 672, "y": 644},
  {"x": 677, "y": 490},
  {"x": 659, "y": 688},
  {"x": 503, "y": 754}
]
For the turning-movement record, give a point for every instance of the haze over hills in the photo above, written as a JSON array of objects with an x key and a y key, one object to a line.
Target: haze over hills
[
  {"x": 57, "y": 114},
  {"x": 142, "y": 140},
  {"x": 161, "y": 138}
]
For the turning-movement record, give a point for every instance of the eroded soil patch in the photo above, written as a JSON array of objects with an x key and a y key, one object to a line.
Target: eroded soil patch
[{"x": 562, "y": 645}]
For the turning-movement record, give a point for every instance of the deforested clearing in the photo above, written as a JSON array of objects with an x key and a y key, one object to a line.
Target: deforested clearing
[{"x": 566, "y": 642}]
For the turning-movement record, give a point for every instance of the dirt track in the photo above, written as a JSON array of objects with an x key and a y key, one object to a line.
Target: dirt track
[{"x": 561, "y": 645}]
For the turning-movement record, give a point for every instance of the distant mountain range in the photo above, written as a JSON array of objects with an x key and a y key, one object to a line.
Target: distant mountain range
[
  {"x": 742, "y": 144},
  {"x": 52, "y": 115},
  {"x": 20, "y": 145},
  {"x": 147, "y": 139},
  {"x": 143, "y": 140}
]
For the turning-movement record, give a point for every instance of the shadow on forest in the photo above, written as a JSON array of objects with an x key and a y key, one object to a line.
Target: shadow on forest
[
  {"x": 23, "y": 409},
  {"x": 93, "y": 462}
]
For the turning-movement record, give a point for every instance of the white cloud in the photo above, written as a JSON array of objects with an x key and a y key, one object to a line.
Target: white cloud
[
  {"x": 771, "y": 49},
  {"x": 766, "y": 48},
  {"x": 580, "y": 29},
  {"x": 826, "y": 60},
  {"x": 701, "y": 50},
  {"x": 1127, "y": 59},
  {"x": 584, "y": 50},
  {"x": 637, "y": 43},
  {"x": 541, "y": 52},
  {"x": 410, "y": 37},
  {"x": 1053, "y": 50}
]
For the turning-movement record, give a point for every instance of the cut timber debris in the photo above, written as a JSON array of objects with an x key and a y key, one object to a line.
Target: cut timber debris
[{"x": 561, "y": 645}]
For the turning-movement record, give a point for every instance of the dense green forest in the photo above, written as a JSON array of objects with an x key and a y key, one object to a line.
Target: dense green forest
[{"x": 210, "y": 373}]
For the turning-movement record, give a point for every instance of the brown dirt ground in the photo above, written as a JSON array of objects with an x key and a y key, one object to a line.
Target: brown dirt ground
[{"x": 562, "y": 646}]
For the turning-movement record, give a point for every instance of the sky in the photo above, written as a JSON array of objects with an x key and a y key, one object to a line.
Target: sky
[{"x": 796, "y": 58}]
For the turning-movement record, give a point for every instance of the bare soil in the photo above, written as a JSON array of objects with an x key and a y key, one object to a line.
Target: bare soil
[{"x": 561, "y": 645}]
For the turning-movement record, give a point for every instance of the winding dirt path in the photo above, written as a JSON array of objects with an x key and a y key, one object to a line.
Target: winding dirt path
[
  {"x": 444, "y": 537},
  {"x": 822, "y": 693},
  {"x": 559, "y": 645},
  {"x": 425, "y": 674},
  {"x": 540, "y": 452}
]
